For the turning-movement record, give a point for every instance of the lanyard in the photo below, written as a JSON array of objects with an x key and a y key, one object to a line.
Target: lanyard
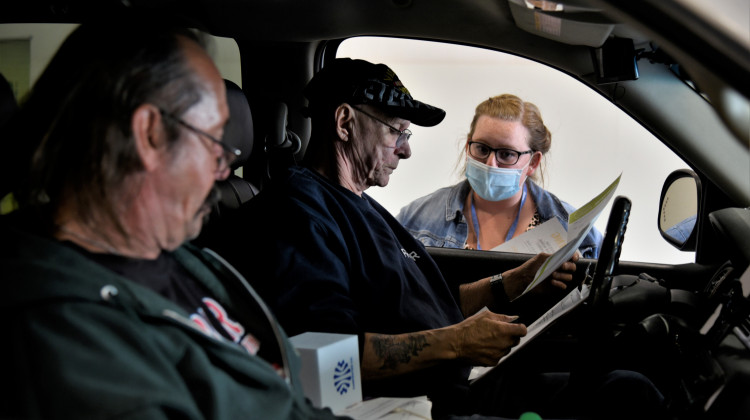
[{"x": 513, "y": 227}]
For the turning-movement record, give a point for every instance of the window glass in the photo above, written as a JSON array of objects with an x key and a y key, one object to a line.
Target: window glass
[
  {"x": 593, "y": 141},
  {"x": 29, "y": 49},
  {"x": 226, "y": 55},
  {"x": 26, "y": 49},
  {"x": 15, "y": 63},
  {"x": 41, "y": 40}
]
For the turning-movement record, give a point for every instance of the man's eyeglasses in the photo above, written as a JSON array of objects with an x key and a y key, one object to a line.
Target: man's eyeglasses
[
  {"x": 481, "y": 151},
  {"x": 229, "y": 155},
  {"x": 403, "y": 135}
]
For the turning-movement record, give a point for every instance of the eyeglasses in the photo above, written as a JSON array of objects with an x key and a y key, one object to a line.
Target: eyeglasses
[
  {"x": 481, "y": 151},
  {"x": 229, "y": 153},
  {"x": 403, "y": 135}
]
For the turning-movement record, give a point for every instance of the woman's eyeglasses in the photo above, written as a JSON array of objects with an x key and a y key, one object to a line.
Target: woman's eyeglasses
[{"x": 481, "y": 151}]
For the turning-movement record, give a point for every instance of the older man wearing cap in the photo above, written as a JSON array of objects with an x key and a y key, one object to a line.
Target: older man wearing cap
[{"x": 337, "y": 261}]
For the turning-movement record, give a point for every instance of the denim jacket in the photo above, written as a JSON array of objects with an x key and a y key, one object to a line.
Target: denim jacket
[{"x": 437, "y": 219}]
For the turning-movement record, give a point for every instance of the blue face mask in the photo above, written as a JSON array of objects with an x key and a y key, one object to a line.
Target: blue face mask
[{"x": 491, "y": 183}]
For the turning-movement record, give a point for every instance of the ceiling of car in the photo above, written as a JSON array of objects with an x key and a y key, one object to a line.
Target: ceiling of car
[
  {"x": 708, "y": 54},
  {"x": 480, "y": 22},
  {"x": 301, "y": 21}
]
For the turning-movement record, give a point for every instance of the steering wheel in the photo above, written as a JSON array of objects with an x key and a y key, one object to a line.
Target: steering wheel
[
  {"x": 609, "y": 256},
  {"x": 594, "y": 344}
]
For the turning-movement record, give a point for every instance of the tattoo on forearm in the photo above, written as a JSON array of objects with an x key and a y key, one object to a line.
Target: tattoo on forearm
[{"x": 393, "y": 351}]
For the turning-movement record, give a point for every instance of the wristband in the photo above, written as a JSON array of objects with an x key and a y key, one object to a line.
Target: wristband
[{"x": 498, "y": 289}]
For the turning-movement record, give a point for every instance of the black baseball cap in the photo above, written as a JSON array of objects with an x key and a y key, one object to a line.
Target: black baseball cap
[{"x": 361, "y": 82}]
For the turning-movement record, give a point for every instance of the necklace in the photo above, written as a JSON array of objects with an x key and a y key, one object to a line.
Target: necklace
[{"x": 513, "y": 226}]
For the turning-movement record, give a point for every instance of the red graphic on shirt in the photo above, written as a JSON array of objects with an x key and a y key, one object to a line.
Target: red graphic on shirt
[{"x": 234, "y": 329}]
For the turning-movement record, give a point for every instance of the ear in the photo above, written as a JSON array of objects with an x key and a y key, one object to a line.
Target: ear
[
  {"x": 344, "y": 117},
  {"x": 536, "y": 160},
  {"x": 149, "y": 135}
]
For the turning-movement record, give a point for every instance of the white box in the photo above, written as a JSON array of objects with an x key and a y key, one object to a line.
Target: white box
[{"x": 330, "y": 369}]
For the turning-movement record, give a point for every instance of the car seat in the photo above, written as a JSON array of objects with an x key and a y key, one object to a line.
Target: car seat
[
  {"x": 282, "y": 145},
  {"x": 235, "y": 190},
  {"x": 259, "y": 163},
  {"x": 238, "y": 133}
]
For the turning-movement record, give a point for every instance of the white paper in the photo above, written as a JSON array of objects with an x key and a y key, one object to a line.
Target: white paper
[
  {"x": 579, "y": 224},
  {"x": 548, "y": 237},
  {"x": 572, "y": 300},
  {"x": 416, "y": 408},
  {"x": 583, "y": 219}
]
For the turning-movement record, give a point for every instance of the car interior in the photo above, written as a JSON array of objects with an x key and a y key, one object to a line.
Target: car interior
[{"x": 674, "y": 67}]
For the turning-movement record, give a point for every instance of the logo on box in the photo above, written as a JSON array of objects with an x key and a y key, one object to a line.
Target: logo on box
[
  {"x": 343, "y": 376},
  {"x": 330, "y": 369}
]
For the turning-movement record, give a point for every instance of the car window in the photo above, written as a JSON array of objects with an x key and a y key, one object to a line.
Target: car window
[
  {"x": 593, "y": 141},
  {"x": 226, "y": 55},
  {"x": 25, "y": 50}
]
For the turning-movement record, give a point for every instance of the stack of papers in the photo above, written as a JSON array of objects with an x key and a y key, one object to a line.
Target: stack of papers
[
  {"x": 551, "y": 237},
  {"x": 417, "y": 408},
  {"x": 571, "y": 301},
  {"x": 539, "y": 240}
]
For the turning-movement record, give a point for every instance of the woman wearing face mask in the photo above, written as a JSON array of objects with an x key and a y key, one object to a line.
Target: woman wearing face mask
[{"x": 499, "y": 199}]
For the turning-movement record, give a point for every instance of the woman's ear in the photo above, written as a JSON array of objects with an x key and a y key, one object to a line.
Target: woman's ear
[
  {"x": 536, "y": 159},
  {"x": 149, "y": 135},
  {"x": 344, "y": 115}
]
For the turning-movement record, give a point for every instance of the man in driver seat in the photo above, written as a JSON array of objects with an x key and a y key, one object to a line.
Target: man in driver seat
[{"x": 336, "y": 261}]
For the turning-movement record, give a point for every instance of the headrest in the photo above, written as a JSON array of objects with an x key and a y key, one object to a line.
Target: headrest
[
  {"x": 278, "y": 137},
  {"x": 239, "y": 130}
]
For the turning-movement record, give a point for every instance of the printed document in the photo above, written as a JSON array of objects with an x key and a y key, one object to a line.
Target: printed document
[
  {"x": 567, "y": 304},
  {"x": 580, "y": 223},
  {"x": 416, "y": 408},
  {"x": 547, "y": 237}
]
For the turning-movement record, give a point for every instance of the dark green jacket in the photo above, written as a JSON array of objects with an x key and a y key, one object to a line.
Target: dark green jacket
[{"x": 82, "y": 342}]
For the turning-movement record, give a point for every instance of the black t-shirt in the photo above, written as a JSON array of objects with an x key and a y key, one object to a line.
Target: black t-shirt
[
  {"x": 167, "y": 277},
  {"x": 337, "y": 262}
]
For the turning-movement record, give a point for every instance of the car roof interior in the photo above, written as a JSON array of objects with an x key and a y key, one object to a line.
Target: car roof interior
[
  {"x": 677, "y": 73},
  {"x": 283, "y": 42}
]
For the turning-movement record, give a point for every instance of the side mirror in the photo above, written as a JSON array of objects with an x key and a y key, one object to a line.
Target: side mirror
[{"x": 678, "y": 209}]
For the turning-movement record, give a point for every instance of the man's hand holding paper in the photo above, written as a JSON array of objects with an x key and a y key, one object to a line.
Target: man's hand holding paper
[
  {"x": 517, "y": 280},
  {"x": 580, "y": 223},
  {"x": 558, "y": 267}
]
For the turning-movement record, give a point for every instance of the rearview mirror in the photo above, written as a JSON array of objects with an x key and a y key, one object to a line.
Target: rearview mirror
[{"x": 678, "y": 209}]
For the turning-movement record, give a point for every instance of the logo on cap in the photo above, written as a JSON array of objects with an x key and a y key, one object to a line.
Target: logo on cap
[{"x": 390, "y": 76}]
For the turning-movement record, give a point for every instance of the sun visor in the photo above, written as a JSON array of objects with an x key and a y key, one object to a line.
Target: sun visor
[{"x": 567, "y": 23}]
